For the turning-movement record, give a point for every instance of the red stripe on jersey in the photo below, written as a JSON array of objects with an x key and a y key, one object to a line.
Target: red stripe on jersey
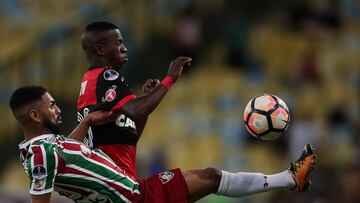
[
  {"x": 123, "y": 101},
  {"x": 93, "y": 156},
  {"x": 72, "y": 146},
  {"x": 87, "y": 95},
  {"x": 104, "y": 161},
  {"x": 38, "y": 155},
  {"x": 123, "y": 155},
  {"x": 61, "y": 163}
]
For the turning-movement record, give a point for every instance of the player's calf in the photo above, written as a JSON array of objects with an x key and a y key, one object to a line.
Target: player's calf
[{"x": 202, "y": 182}]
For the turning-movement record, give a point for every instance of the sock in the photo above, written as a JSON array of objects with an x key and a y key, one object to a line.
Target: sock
[{"x": 242, "y": 184}]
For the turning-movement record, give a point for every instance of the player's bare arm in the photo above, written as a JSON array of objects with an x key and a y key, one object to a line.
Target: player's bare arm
[
  {"x": 95, "y": 118},
  {"x": 143, "y": 106},
  {"x": 45, "y": 198},
  {"x": 148, "y": 87}
]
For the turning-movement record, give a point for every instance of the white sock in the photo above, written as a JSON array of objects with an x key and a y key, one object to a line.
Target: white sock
[{"x": 242, "y": 184}]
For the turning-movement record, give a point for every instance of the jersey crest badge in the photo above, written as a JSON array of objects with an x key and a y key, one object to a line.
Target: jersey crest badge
[
  {"x": 110, "y": 75},
  {"x": 110, "y": 94},
  {"x": 39, "y": 172},
  {"x": 166, "y": 176}
]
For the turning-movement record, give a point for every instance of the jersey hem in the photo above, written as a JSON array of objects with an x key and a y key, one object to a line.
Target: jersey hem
[{"x": 33, "y": 192}]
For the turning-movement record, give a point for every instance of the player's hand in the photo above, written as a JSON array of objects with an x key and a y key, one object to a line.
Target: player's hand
[
  {"x": 100, "y": 117},
  {"x": 150, "y": 85},
  {"x": 177, "y": 65}
]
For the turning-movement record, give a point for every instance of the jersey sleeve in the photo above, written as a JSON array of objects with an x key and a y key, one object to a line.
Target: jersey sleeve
[
  {"x": 112, "y": 91},
  {"x": 41, "y": 169}
]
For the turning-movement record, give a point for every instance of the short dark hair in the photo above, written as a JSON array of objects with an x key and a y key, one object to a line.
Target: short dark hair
[
  {"x": 100, "y": 26},
  {"x": 26, "y": 95}
]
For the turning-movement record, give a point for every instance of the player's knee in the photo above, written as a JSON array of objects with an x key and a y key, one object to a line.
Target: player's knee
[{"x": 212, "y": 174}]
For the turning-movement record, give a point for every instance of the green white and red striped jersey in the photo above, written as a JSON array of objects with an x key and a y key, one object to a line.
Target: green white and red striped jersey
[{"x": 56, "y": 163}]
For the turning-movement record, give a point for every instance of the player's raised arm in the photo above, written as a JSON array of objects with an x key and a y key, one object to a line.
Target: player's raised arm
[
  {"x": 95, "y": 118},
  {"x": 45, "y": 198},
  {"x": 143, "y": 106}
]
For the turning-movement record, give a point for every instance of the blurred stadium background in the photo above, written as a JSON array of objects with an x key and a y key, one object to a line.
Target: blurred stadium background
[{"x": 306, "y": 52}]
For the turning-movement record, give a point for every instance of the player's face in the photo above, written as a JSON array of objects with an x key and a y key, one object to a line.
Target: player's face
[
  {"x": 115, "y": 50},
  {"x": 50, "y": 114}
]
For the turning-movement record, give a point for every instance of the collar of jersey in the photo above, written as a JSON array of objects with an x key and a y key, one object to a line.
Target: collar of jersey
[
  {"x": 23, "y": 144},
  {"x": 95, "y": 67}
]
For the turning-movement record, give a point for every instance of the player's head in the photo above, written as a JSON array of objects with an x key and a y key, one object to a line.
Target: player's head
[
  {"x": 34, "y": 107},
  {"x": 103, "y": 43}
]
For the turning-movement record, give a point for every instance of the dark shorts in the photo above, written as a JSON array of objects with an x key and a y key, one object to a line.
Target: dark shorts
[{"x": 165, "y": 187}]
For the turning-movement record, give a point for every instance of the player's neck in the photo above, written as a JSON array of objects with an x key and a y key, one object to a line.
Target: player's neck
[
  {"x": 99, "y": 62},
  {"x": 30, "y": 133}
]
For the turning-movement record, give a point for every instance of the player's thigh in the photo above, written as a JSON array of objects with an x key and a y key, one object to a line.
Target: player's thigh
[{"x": 202, "y": 182}]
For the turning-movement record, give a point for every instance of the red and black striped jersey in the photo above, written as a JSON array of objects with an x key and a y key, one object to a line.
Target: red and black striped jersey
[{"x": 104, "y": 88}]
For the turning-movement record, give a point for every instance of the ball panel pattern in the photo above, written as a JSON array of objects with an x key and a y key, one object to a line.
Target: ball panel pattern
[
  {"x": 266, "y": 117},
  {"x": 264, "y": 103},
  {"x": 280, "y": 118},
  {"x": 258, "y": 123}
]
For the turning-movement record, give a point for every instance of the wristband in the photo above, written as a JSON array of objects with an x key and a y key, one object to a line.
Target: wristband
[{"x": 167, "y": 82}]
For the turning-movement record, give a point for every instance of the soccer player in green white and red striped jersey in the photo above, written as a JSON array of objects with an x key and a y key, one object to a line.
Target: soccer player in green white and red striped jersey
[
  {"x": 67, "y": 166},
  {"x": 63, "y": 164}
]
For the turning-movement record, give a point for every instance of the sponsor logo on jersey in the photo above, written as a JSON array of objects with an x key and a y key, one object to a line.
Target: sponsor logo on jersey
[
  {"x": 123, "y": 121},
  {"x": 39, "y": 177},
  {"x": 166, "y": 176},
  {"x": 83, "y": 194},
  {"x": 38, "y": 184},
  {"x": 85, "y": 150},
  {"x": 110, "y": 94},
  {"x": 110, "y": 75}
]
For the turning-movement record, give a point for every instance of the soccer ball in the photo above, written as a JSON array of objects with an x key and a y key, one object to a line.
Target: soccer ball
[{"x": 266, "y": 117}]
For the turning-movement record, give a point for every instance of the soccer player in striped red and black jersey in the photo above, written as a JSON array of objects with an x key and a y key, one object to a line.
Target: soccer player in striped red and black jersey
[
  {"x": 56, "y": 163},
  {"x": 104, "y": 87}
]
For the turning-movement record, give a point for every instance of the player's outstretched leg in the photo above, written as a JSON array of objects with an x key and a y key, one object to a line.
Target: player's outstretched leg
[
  {"x": 203, "y": 182},
  {"x": 301, "y": 169}
]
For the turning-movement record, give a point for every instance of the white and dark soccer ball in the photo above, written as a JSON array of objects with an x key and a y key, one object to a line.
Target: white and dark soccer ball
[{"x": 266, "y": 117}]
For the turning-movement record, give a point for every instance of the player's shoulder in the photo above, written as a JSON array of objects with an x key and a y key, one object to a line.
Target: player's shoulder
[
  {"x": 111, "y": 74},
  {"x": 102, "y": 73},
  {"x": 44, "y": 145}
]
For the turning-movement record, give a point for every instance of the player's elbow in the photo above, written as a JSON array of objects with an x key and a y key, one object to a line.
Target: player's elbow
[{"x": 133, "y": 112}]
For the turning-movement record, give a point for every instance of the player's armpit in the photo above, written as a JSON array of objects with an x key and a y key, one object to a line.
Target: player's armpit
[
  {"x": 141, "y": 107},
  {"x": 140, "y": 125},
  {"x": 45, "y": 198}
]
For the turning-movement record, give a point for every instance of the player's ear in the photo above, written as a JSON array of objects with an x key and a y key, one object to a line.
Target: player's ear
[
  {"x": 99, "y": 49},
  {"x": 34, "y": 115}
]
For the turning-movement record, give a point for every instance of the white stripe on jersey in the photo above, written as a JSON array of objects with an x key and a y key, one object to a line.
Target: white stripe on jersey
[
  {"x": 98, "y": 181},
  {"x": 56, "y": 165},
  {"x": 80, "y": 117},
  {"x": 44, "y": 157},
  {"x": 42, "y": 192},
  {"x": 31, "y": 161},
  {"x": 99, "y": 163},
  {"x": 103, "y": 178}
]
